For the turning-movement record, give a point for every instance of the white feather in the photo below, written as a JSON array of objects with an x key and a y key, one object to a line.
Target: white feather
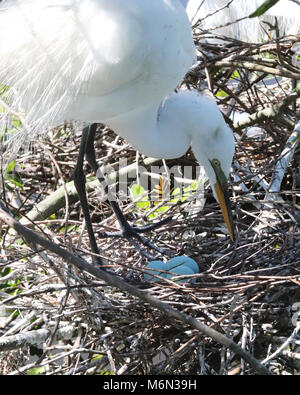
[
  {"x": 72, "y": 59},
  {"x": 213, "y": 13},
  {"x": 111, "y": 61}
]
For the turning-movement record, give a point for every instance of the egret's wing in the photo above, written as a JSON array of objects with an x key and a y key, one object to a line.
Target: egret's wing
[
  {"x": 52, "y": 51},
  {"x": 90, "y": 59}
]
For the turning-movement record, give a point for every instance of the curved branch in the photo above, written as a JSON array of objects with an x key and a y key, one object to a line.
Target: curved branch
[{"x": 35, "y": 239}]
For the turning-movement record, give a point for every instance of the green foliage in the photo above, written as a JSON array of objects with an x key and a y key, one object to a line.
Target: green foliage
[
  {"x": 263, "y": 8},
  {"x": 235, "y": 75},
  {"x": 102, "y": 372},
  {"x": 139, "y": 195},
  {"x": 136, "y": 193},
  {"x": 221, "y": 94},
  {"x": 15, "y": 123},
  {"x": 36, "y": 371},
  {"x": 15, "y": 180},
  {"x": 12, "y": 179},
  {"x": 11, "y": 286}
]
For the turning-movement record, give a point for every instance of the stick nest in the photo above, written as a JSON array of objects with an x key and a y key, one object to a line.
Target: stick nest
[{"x": 246, "y": 290}]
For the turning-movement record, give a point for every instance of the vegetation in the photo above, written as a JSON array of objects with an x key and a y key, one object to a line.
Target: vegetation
[{"x": 57, "y": 319}]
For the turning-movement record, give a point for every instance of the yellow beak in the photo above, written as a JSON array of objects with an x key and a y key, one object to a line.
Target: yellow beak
[{"x": 223, "y": 198}]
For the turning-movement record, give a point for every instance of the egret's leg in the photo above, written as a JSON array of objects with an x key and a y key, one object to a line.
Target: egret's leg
[
  {"x": 79, "y": 182},
  {"x": 126, "y": 230}
]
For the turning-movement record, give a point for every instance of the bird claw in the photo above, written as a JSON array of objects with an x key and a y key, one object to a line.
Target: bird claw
[{"x": 133, "y": 234}]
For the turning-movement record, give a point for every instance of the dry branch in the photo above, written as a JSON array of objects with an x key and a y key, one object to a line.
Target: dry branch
[
  {"x": 36, "y": 337},
  {"x": 35, "y": 239},
  {"x": 261, "y": 271}
]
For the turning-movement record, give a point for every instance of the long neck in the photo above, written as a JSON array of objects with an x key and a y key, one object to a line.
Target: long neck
[{"x": 154, "y": 130}]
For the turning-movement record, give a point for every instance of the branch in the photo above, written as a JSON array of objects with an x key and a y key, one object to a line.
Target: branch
[
  {"x": 282, "y": 163},
  {"x": 57, "y": 200},
  {"x": 35, "y": 337},
  {"x": 258, "y": 67},
  {"x": 284, "y": 345},
  {"x": 267, "y": 113},
  {"x": 35, "y": 239}
]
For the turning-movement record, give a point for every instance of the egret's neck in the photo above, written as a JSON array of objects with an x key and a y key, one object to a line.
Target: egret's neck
[
  {"x": 182, "y": 119},
  {"x": 155, "y": 130}
]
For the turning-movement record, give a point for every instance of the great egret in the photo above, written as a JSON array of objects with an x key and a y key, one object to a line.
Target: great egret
[
  {"x": 213, "y": 13},
  {"x": 116, "y": 62}
]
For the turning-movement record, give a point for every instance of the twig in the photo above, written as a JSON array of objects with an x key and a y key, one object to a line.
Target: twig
[
  {"x": 57, "y": 199},
  {"x": 283, "y": 346},
  {"x": 258, "y": 67},
  {"x": 35, "y": 239},
  {"x": 267, "y": 113},
  {"x": 282, "y": 164},
  {"x": 35, "y": 337}
]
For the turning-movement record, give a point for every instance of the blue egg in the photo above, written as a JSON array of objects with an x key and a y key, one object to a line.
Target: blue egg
[
  {"x": 180, "y": 265},
  {"x": 183, "y": 260},
  {"x": 180, "y": 271},
  {"x": 158, "y": 265}
]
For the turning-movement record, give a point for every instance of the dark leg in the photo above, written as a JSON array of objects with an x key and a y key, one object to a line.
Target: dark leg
[
  {"x": 126, "y": 230},
  {"x": 79, "y": 181}
]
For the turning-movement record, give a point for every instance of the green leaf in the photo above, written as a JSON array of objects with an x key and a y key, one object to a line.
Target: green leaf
[
  {"x": 106, "y": 373},
  {"x": 137, "y": 191},
  {"x": 96, "y": 357},
  {"x": 11, "y": 166},
  {"x": 177, "y": 193},
  {"x": 235, "y": 75},
  {"x": 35, "y": 371},
  {"x": 14, "y": 179},
  {"x": 186, "y": 193},
  {"x": 263, "y": 8},
  {"x": 144, "y": 205},
  {"x": 221, "y": 94}
]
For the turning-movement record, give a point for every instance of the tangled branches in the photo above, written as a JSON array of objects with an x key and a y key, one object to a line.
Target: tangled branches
[{"x": 75, "y": 323}]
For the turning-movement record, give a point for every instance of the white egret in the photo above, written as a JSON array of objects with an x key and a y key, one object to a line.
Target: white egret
[
  {"x": 116, "y": 62},
  {"x": 213, "y": 13}
]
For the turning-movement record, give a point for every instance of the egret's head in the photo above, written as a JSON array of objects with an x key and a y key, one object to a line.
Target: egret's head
[
  {"x": 214, "y": 149},
  {"x": 197, "y": 121}
]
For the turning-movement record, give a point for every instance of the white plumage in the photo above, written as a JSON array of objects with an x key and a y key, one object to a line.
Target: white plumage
[
  {"x": 115, "y": 62},
  {"x": 111, "y": 61},
  {"x": 92, "y": 60},
  {"x": 213, "y": 13}
]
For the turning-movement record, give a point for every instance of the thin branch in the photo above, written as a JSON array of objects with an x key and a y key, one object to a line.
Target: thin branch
[
  {"x": 258, "y": 67},
  {"x": 57, "y": 199},
  {"x": 35, "y": 239},
  {"x": 267, "y": 113},
  {"x": 35, "y": 337},
  {"x": 283, "y": 162}
]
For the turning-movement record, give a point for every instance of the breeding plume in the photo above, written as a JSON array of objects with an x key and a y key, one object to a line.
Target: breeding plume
[
  {"x": 213, "y": 13},
  {"x": 116, "y": 62}
]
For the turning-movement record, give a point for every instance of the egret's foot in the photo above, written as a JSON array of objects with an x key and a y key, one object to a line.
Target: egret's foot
[{"x": 134, "y": 234}]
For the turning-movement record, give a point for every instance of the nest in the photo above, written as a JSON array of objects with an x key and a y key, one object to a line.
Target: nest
[{"x": 56, "y": 319}]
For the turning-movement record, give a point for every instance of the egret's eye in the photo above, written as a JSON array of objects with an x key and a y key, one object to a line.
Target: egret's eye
[{"x": 216, "y": 162}]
